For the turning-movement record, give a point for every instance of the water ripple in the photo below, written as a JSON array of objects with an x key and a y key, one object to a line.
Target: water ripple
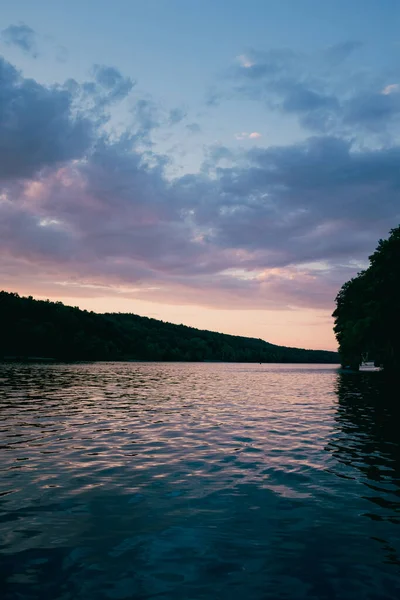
[{"x": 135, "y": 480}]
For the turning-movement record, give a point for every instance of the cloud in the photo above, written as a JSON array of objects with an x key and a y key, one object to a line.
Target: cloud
[
  {"x": 111, "y": 80},
  {"x": 38, "y": 125},
  {"x": 320, "y": 91},
  {"x": 298, "y": 98},
  {"x": 176, "y": 115},
  {"x": 22, "y": 36},
  {"x": 259, "y": 65},
  {"x": 372, "y": 111},
  {"x": 193, "y": 127},
  {"x": 390, "y": 89},
  {"x": 213, "y": 98},
  {"x": 245, "y": 61},
  {"x": 146, "y": 114},
  {"x": 340, "y": 52},
  {"x": 244, "y": 135},
  {"x": 83, "y": 207}
]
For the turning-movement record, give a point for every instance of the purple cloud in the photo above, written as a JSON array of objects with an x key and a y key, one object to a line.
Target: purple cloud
[
  {"x": 38, "y": 127},
  {"x": 80, "y": 207}
]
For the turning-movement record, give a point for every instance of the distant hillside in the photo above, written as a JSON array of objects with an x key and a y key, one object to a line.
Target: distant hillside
[{"x": 36, "y": 328}]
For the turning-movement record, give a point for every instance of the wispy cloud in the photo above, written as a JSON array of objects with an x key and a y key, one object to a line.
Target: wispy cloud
[
  {"x": 244, "y": 61},
  {"x": 22, "y": 36},
  {"x": 254, "y": 135},
  {"x": 390, "y": 89},
  {"x": 193, "y": 127},
  {"x": 319, "y": 91},
  {"x": 176, "y": 115},
  {"x": 113, "y": 82},
  {"x": 340, "y": 52}
]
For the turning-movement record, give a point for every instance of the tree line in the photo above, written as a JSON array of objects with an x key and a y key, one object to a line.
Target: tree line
[
  {"x": 37, "y": 328},
  {"x": 367, "y": 315}
]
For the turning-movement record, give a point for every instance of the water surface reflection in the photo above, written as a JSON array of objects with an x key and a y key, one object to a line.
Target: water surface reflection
[{"x": 197, "y": 481}]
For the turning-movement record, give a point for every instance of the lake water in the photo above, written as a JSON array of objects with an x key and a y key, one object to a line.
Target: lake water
[{"x": 189, "y": 481}]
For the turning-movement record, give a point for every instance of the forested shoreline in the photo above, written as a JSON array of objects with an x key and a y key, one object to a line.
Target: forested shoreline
[
  {"x": 367, "y": 315},
  {"x": 37, "y": 328}
]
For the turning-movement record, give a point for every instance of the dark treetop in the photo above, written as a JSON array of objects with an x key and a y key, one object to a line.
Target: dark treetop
[
  {"x": 33, "y": 328},
  {"x": 367, "y": 315}
]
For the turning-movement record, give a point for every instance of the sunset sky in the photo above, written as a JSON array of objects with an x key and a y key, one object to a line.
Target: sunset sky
[{"x": 226, "y": 165}]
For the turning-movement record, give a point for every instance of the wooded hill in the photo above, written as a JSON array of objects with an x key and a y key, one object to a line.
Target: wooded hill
[{"x": 36, "y": 328}]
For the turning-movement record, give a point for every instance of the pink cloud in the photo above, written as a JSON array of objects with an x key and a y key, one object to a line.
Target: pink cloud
[
  {"x": 247, "y": 136},
  {"x": 245, "y": 61},
  {"x": 88, "y": 215}
]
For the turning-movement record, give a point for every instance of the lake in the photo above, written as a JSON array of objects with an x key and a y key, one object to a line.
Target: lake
[{"x": 189, "y": 481}]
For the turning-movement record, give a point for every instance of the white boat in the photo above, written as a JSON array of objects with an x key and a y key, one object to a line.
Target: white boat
[{"x": 369, "y": 366}]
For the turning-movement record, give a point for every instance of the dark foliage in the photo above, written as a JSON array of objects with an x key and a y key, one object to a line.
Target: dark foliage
[
  {"x": 33, "y": 328},
  {"x": 367, "y": 315}
]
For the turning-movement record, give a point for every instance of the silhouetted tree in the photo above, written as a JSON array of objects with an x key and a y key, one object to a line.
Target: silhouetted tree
[{"x": 367, "y": 315}]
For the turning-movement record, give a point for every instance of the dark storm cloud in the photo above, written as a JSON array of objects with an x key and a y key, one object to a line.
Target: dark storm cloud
[
  {"x": 22, "y": 36},
  {"x": 82, "y": 206}
]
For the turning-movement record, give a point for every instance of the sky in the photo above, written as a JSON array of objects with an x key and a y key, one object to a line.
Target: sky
[{"x": 223, "y": 165}]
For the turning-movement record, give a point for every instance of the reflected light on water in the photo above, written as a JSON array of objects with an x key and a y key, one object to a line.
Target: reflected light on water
[{"x": 135, "y": 480}]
